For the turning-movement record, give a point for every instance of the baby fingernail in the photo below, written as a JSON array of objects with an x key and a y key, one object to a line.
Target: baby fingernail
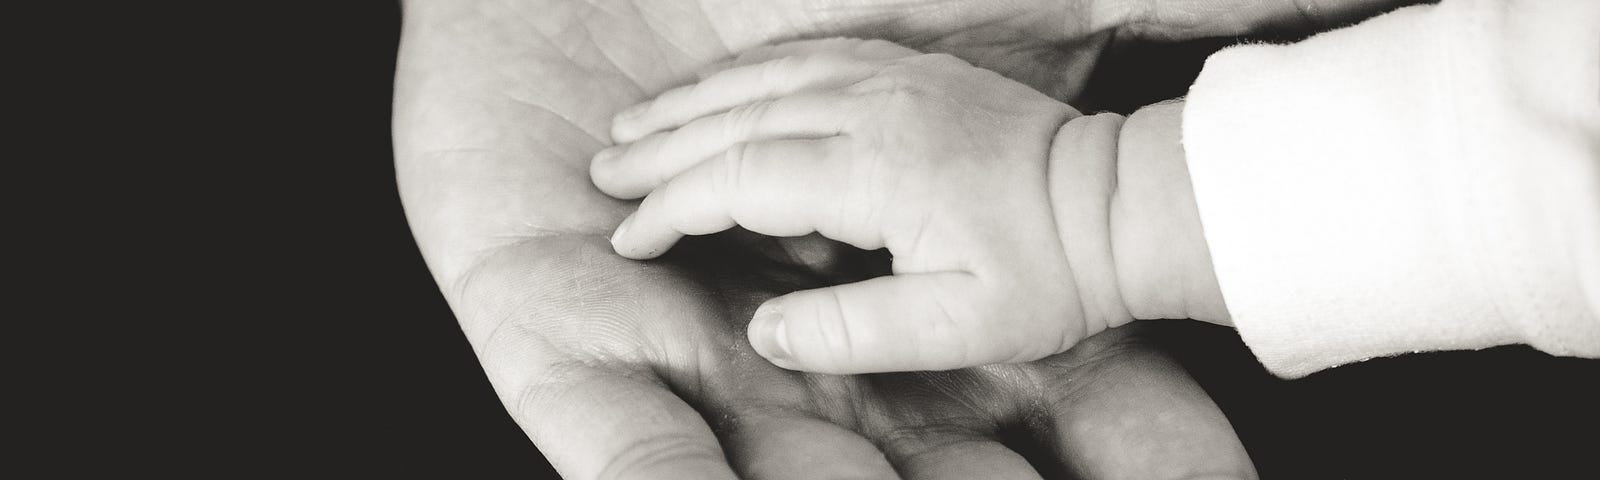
[
  {"x": 603, "y": 168},
  {"x": 632, "y": 111},
  {"x": 618, "y": 235},
  {"x": 767, "y": 334},
  {"x": 630, "y": 114},
  {"x": 623, "y": 125}
]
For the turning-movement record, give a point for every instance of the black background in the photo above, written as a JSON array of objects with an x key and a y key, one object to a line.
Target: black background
[{"x": 323, "y": 346}]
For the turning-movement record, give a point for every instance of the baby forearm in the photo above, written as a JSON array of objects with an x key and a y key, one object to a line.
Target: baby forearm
[{"x": 1128, "y": 219}]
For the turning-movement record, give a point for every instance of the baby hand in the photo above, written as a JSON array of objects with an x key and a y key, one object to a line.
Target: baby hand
[{"x": 878, "y": 146}]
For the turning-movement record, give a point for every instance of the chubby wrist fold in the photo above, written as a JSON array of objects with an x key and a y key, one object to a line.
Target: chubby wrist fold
[
  {"x": 1127, "y": 219},
  {"x": 1158, "y": 245},
  {"x": 1081, "y": 180}
]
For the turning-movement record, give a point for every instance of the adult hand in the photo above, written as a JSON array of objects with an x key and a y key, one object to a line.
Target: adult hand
[
  {"x": 604, "y": 361},
  {"x": 1051, "y": 45}
]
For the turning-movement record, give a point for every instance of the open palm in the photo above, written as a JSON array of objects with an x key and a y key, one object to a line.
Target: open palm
[{"x": 622, "y": 369}]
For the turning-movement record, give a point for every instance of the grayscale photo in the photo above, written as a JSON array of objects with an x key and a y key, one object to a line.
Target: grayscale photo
[{"x": 921, "y": 240}]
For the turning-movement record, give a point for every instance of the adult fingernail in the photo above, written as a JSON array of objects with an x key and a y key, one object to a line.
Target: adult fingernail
[{"x": 768, "y": 336}]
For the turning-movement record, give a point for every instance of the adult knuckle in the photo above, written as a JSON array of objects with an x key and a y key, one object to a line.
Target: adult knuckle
[{"x": 646, "y": 457}]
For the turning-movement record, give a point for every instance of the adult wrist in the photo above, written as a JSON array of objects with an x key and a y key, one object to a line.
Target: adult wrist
[{"x": 1158, "y": 245}]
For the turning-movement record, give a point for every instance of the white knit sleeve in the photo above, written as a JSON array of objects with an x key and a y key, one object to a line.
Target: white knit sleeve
[{"x": 1426, "y": 180}]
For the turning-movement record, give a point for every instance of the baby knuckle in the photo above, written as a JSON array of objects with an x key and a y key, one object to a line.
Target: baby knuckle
[
  {"x": 834, "y": 330},
  {"x": 731, "y": 169},
  {"x": 744, "y": 118},
  {"x": 952, "y": 323},
  {"x": 1052, "y": 324},
  {"x": 895, "y": 97},
  {"x": 884, "y": 77},
  {"x": 824, "y": 61},
  {"x": 656, "y": 203},
  {"x": 678, "y": 98},
  {"x": 782, "y": 70},
  {"x": 857, "y": 115}
]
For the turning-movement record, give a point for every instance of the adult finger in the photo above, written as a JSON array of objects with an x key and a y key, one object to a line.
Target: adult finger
[
  {"x": 738, "y": 86},
  {"x": 865, "y": 49},
  {"x": 1188, "y": 19},
  {"x": 932, "y": 455},
  {"x": 779, "y": 188},
  {"x": 773, "y": 424},
  {"x": 594, "y": 424},
  {"x": 781, "y": 444},
  {"x": 903, "y": 322},
  {"x": 634, "y": 169},
  {"x": 1118, "y": 408},
  {"x": 597, "y": 405},
  {"x": 946, "y": 425}
]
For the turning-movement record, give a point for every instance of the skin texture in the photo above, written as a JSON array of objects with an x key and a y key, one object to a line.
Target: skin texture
[
  {"x": 1163, "y": 264},
  {"x": 623, "y": 369},
  {"x": 877, "y": 146}
]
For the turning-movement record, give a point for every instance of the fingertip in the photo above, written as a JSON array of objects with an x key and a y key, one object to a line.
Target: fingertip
[
  {"x": 642, "y": 239},
  {"x": 620, "y": 239},
  {"x": 602, "y": 163},
  {"x": 625, "y": 125},
  {"x": 606, "y": 155},
  {"x": 769, "y": 337}
]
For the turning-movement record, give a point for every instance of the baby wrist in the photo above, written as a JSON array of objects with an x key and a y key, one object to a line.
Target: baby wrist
[
  {"x": 1158, "y": 246},
  {"x": 1082, "y": 177}
]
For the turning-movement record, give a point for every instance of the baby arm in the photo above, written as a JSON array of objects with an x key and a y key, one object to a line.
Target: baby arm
[
  {"x": 1428, "y": 179},
  {"x": 999, "y": 211}
]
